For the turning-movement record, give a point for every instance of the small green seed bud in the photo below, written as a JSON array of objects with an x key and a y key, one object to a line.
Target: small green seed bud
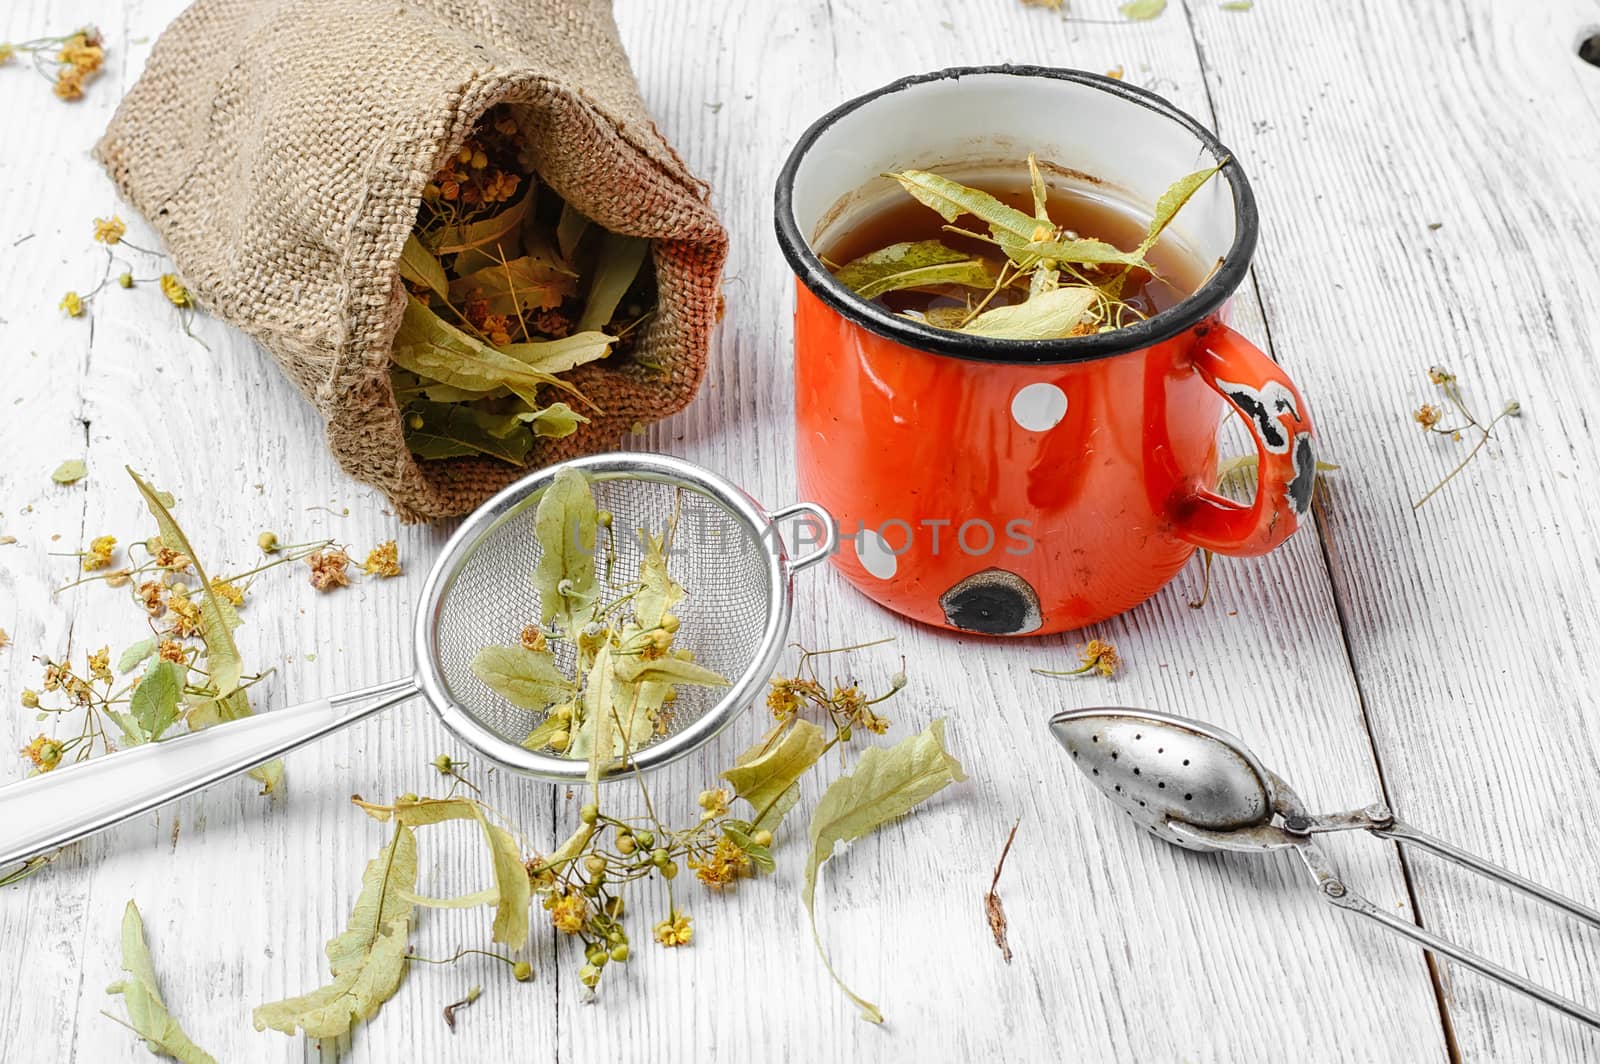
[
  {"x": 410, "y": 797},
  {"x": 595, "y": 864},
  {"x": 626, "y": 845},
  {"x": 845, "y": 733},
  {"x": 30, "y": 698},
  {"x": 125, "y": 279},
  {"x": 268, "y": 542},
  {"x": 670, "y": 870},
  {"x": 762, "y": 838},
  {"x": 589, "y": 813},
  {"x": 443, "y": 763},
  {"x": 589, "y": 976},
  {"x": 619, "y": 953},
  {"x": 614, "y": 909},
  {"x": 597, "y": 956},
  {"x": 660, "y": 858},
  {"x": 523, "y": 971},
  {"x": 670, "y": 621},
  {"x": 603, "y": 518},
  {"x": 897, "y": 681},
  {"x": 646, "y": 839}
]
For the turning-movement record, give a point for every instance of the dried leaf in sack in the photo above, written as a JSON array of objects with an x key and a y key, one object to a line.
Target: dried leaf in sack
[
  {"x": 486, "y": 232},
  {"x": 452, "y": 430},
  {"x": 528, "y": 282},
  {"x": 431, "y": 347},
  {"x": 616, "y": 265},
  {"x": 419, "y": 266}
]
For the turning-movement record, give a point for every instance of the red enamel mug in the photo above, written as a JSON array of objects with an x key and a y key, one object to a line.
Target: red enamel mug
[{"x": 1011, "y": 487}]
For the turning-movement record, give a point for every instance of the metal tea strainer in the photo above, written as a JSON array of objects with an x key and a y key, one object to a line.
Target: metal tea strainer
[
  {"x": 726, "y": 552},
  {"x": 1194, "y": 785}
]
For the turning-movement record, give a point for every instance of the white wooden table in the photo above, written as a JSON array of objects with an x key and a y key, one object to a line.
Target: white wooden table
[{"x": 1444, "y": 659}]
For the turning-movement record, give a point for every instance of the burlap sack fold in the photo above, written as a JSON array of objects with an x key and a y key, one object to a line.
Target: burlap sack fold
[{"x": 280, "y": 147}]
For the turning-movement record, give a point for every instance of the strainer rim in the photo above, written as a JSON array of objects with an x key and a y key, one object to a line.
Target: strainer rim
[{"x": 755, "y": 520}]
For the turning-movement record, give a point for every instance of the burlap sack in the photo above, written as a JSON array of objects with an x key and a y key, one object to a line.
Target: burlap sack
[{"x": 280, "y": 147}]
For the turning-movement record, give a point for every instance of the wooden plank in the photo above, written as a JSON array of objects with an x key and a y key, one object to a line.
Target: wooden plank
[
  {"x": 45, "y": 359},
  {"x": 1125, "y": 948},
  {"x": 1471, "y": 620}
]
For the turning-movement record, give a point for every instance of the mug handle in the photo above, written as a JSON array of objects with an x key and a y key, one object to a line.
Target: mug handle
[{"x": 1279, "y": 420}]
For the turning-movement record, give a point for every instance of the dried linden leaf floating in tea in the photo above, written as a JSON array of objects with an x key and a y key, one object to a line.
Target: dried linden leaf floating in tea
[
  {"x": 1024, "y": 283},
  {"x": 912, "y": 265},
  {"x": 511, "y": 288},
  {"x": 147, "y": 1013}
]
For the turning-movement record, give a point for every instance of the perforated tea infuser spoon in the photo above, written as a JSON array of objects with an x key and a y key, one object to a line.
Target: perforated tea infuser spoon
[
  {"x": 1197, "y": 786},
  {"x": 726, "y": 552}
]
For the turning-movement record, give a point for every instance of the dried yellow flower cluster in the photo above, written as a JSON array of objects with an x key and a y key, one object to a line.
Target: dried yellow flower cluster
[
  {"x": 98, "y": 556},
  {"x": 383, "y": 560},
  {"x": 330, "y": 568},
  {"x": 109, "y": 230},
  {"x": 675, "y": 930},
  {"x": 174, "y": 290}
]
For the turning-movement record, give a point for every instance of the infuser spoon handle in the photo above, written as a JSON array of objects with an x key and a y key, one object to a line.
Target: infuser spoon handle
[
  {"x": 1405, "y": 833},
  {"x": 55, "y": 808},
  {"x": 1335, "y": 892},
  {"x": 1351, "y": 902}
]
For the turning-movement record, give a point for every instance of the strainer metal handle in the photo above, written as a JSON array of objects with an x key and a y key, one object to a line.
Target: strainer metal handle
[
  {"x": 52, "y": 809},
  {"x": 830, "y": 532}
]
